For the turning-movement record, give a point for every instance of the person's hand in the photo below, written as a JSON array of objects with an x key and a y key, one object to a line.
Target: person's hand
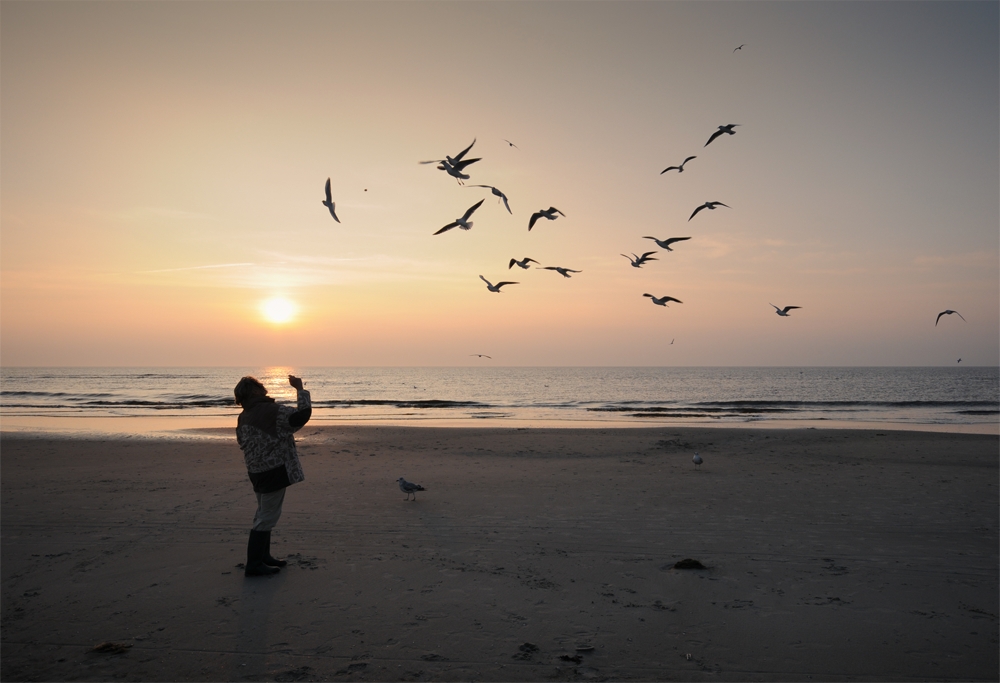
[{"x": 296, "y": 382}]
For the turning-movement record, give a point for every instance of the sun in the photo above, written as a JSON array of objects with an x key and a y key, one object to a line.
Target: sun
[{"x": 278, "y": 310}]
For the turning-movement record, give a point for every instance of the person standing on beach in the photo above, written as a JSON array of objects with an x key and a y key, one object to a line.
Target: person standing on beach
[{"x": 265, "y": 433}]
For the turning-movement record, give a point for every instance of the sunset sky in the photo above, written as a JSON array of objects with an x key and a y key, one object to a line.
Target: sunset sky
[{"x": 162, "y": 168}]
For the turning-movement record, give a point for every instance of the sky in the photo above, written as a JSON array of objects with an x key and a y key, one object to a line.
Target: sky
[{"x": 162, "y": 168}]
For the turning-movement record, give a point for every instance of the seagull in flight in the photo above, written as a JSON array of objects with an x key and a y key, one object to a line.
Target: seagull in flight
[
  {"x": 722, "y": 129},
  {"x": 454, "y": 166},
  {"x": 523, "y": 263},
  {"x": 329, "y": 203},
  {"x": 662, "y": 301},
  {"x": 464, "y": 221},
  {"x": 638, "y": 261},
  {"x": 498, "y": 193},
  {"x": 455, "y": 170},
  {"x": 511, "y": 144},
  {"x": 948, "y": 312},
  {"x": 783, "y": 312},
  {"x": 565, "y": 272},
  {"x": 481, "y": 355},
  {"x": 665, "y": 244},
  {"x": 408, "y": 488},
  {"x": 496, "y": 287},
  {"x": 708, "y": 205},
  {"x": 549, "y": 213},
  {"x": 679, "y": 169},
  {"x": 740, "y": 47}
]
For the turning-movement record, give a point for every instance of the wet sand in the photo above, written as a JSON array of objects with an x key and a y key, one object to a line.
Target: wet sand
[{"x": 535, "y": 554}]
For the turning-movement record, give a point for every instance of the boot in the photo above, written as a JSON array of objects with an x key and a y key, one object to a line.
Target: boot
[
  {"x": 268, "y": 560},
  {"x": 256, "y": 548}
]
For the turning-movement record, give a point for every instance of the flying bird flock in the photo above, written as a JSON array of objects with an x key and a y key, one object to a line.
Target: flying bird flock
[{"x": 457, "y": 167}]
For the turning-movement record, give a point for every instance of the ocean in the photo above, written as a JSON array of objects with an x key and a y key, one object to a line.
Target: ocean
[{"x": 117, "y": 399}]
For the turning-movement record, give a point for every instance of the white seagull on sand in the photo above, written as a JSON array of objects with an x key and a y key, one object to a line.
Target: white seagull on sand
[
  {"x": 662, "y": 301},
  {"x": 665, "y": 244},
  {"x": 722, "y": 129},
  {"x": 565, "y": 272},
  {"x": 408, "y": 488},
  {"x": 329, "y": 203},
  {"x": 708, "y": 205},
  {"x": 948, "y": 312},
  {"x": 498, "y": 193},
  {"x": 549, "y": 213},
  {"x": 696, "y": 460},
  {"x": 783, "y": 312},
  {"x": 679, "y": 169},
  {"x": 496, "y": 287},
  {"x": 464, "y": 221},
  {"x": 638, "y": 261},
  {"x": 523, "y": 263}
]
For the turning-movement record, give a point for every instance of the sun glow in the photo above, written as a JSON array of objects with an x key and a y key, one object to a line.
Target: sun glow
[{"x": 278, "y": 310}]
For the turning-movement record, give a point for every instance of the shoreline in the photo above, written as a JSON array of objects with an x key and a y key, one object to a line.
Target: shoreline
[
  {"x": 189, "y": 427},
  {"x": 534, "y": 554}
]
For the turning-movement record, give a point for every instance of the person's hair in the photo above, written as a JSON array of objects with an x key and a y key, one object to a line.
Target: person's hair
[{"x": 245, "y": 388}]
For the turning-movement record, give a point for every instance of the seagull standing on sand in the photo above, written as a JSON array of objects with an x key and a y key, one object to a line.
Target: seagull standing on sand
[
  {"x": 783, "y": 312},
  {"x": 665, "y": 244},
  {"x": 523, "y": 263},
  {"x": 708, "y": 205},
  {"x": 638, "y": 261},
  {"x": 329, "y": 203},
  {"x": 549, "y": 213},
  {"x": 464, "y": 221},
  {"x": 565, "y": 272},
  {"x": 496, "y": 287},
  {"x": 408, "y": 488},
  {"x": 948, "y": 312},
  {"x": 722, "y": 129},
  {"x": 499, "y": 194},
  {"x": 679, "y": 169},
  {"x": 696, "y": 460},
  {"x": 662, "y": 301}
]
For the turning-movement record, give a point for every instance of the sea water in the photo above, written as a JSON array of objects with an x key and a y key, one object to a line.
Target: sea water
[{"x": 34, "y": 398}]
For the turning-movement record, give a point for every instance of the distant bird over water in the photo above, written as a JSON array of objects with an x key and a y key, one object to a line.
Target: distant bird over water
[
  {"x": 565, "y": 272},
  {"x": 549, "y": 213},
  {"x": 740, "y": 47},
  {"x": 638, "y": 261},
  {"x": 679, "y": 169},
  {"x": 708, "y": 205},
  {"x": 523, "y": 263},
  {"x": 665, "y": 244},
  {"x": 662, "y": 301},
  {"x": 499, "y": 194},
  {"x": 783, "y": 312},
  {"x": 728, "y": 128},
  {"x": 496, "y": 287},
  {"x": 329, "y": 203},
  {"x": 948, "y": 312},
  {"x": 481, "y": 355},
  {"x": 409, "y": 488},
  {"x": 464, "y": 221}
]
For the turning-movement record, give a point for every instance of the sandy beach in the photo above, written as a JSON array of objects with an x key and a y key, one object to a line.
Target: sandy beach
[{"x": 534, "y": 554}]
